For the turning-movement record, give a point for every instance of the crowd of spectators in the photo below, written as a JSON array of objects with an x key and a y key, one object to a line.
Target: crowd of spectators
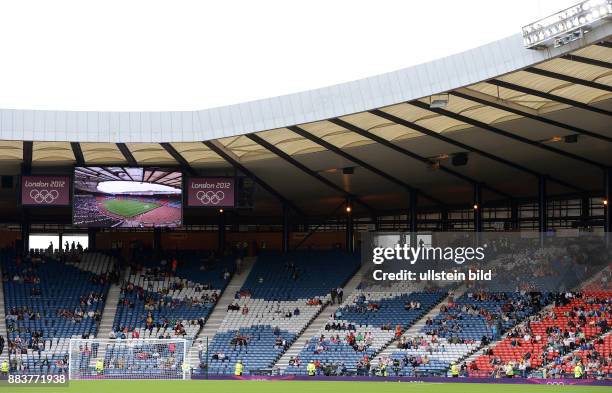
[
  {"x": 511, "y": 309},
  {"x": 548, "y": 341},
  {"x": 359, "y": 341},
  {"x": 156, "y": 303}
]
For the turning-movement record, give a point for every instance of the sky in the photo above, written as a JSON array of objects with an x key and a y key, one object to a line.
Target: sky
[
  {"x": 149, "y": 55},
  {"x": 119, "y": 187}
]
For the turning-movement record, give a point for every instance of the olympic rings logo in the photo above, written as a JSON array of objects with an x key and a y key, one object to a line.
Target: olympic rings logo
[
  {"x": 44, "y": 196},
  {"x": 210, "y": 197}
]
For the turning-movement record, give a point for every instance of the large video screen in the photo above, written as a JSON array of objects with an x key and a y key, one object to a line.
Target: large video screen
[{"x": 127, "y": 197}]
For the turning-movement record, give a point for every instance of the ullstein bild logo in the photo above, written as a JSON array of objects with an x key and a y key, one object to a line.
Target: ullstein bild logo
[
  {"x": 44, "y": 196},
  {"x": 210, "y": 197}
]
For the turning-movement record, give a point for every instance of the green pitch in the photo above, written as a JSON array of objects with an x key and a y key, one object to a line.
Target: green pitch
[
  {"x": 165, "y": 386},
  {"x": 128, "y": 207}
]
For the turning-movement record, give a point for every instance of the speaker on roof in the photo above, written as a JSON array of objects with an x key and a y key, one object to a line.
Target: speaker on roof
[
  {"x": 460, "y": 159},
  {"x": 571, "y": 138}
]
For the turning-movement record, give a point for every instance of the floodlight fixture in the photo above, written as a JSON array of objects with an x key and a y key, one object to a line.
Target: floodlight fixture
[{"x": 566, "y": 26}]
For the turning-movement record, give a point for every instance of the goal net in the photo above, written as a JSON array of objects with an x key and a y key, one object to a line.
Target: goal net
[{"x": 128, "y": 359}]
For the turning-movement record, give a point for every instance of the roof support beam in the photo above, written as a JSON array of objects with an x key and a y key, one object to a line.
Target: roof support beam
[
  {"x": 548, "y": 96},
  {"x": 509, "y": 135},
  {"x": 179, "y": 158},
  {"x": 408, "y": 153},
  {"x": 79, "y": 158},
  {"x": 433, "y": 134},
  {"x": 587, "y": 60},
  {"x": 129, "y": 157},
  {"x": 148, "y": 177},
  {"x": 165, "y": 175},
  {"x": 90, "y": 172},
  {"x": 371, "y": 168},
  {"x": 495, "y": 103},
  {"x": 124, "y": 171},
  {"x": 568, "y": 78},
  {"x": 219, "y": 150},
  {"x": 259, "y": 140}
]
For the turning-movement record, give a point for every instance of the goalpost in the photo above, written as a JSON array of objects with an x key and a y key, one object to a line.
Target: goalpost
[{"x": 128, "y": 359}]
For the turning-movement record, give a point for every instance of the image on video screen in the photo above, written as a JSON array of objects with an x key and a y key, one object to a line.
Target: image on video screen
[{"x": 127, "y": 197}]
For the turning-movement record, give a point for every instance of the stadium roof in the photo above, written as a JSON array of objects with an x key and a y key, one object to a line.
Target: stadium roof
[{"x": 517, "y": 113}]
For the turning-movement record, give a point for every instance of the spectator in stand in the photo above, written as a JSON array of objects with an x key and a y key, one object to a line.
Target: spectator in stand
[
  {"x": 200, "y": 349},
  {"x": 340, "y": 294},
  {"x": 238, "y": 265}
]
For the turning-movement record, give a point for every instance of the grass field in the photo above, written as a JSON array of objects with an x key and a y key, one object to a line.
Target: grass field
[
  {"x": 302, "y": 386},
  {"x": 128, "y": 207}
]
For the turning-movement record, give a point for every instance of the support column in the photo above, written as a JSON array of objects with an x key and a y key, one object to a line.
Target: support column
[
  {"x": 25, "y": 235},
  {"x": 477, "y": 208},
  {"x": 26, "y": 169},
  {"x": 542, "y": 206},
  {"x": 585, "y": 207},
  {"x": 607, "y": 208},
  {"x": 221, "y": 232},
  {"x": 286, "y": 228},
  {"x": 444, "y": 219},
  {"x": 157, "y": 246},
  {"x": 349, "y": 226},
  {"x": 413, "y": 226},
  {"x": 91, "y": 238},
  {"x": 515, "y": 220},
  {"x": 542, "y": 209}
]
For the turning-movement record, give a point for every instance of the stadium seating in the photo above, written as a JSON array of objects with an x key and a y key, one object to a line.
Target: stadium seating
[
  {"x": 429, "y": 356},
  {"x": 277, "y": 286},
  {"x": 43, "y": 312},
  {"x": 169, "y": 297},
  {"x": 366, "y": 324},
  {"x": 575, "y": 320},
  {"x": 316, "y": 272},
  {"x": 455, "y": 332},
  {"x": 280, "y": 297},
  {"x": 595, "y": 357},
  {"x": 474, "y": 316}
]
